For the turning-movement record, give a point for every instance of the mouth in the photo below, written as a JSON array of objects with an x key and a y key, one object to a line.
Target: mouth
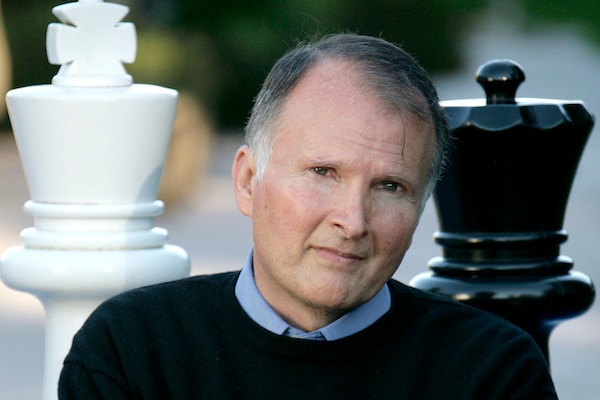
[{"x": 339, "y": 256}]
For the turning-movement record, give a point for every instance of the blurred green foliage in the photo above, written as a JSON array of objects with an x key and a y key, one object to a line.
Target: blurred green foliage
[
  {"x": 582, "y": 13},
  {"x": 221, "y": 51},
  {"x": 26, "y": 23},
  {"x": 230, "y": 46}
]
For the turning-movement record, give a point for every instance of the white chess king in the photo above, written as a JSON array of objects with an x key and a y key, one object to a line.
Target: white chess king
[{"x": 92, "y": 145}]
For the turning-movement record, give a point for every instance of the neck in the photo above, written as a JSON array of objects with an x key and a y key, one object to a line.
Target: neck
[{"x": 296, "y": 311}]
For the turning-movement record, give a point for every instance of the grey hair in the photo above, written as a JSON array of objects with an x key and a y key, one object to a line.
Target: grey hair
[{"x": 393, "y": 75}]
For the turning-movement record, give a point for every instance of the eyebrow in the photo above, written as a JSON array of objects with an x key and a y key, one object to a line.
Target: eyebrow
[{"x": 319, "y": 161}]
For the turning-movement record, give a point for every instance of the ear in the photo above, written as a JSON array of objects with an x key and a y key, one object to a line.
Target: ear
[{"x": 243, "y": 171}]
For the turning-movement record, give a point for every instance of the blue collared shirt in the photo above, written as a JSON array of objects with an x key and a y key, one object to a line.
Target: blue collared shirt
[{"x": 261, "y": 312}]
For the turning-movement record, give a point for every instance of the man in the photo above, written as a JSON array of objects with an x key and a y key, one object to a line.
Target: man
[{"x": 344, "y": 145}]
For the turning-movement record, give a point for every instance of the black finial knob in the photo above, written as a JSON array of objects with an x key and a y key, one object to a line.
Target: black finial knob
[{"x": 500, "y": 80}]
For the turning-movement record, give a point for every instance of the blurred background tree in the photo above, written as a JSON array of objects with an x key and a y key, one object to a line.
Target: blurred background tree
[
  {"x": 220, "y": 52},
  {"x": 227, "y": 48}
]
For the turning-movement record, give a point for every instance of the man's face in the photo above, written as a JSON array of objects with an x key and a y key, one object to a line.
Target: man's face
[{"x": 338, "y": 204}]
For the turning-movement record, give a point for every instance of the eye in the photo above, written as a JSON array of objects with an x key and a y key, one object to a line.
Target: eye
[
  {"x": 391, "y": 186},
  {"x": 320, "y": 170}
]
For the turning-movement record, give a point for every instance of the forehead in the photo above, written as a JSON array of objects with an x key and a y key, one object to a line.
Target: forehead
[
  {"x": 333, "y": 108},
  {"x": 330, "y": 89},
  {"x": 335, "y": 92}
]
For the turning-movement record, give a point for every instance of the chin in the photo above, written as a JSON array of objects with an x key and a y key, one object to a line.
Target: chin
[{"x": 340, "y": 302}]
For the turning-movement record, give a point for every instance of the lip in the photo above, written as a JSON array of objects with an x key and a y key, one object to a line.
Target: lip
[{"x": 338, "y": 256}]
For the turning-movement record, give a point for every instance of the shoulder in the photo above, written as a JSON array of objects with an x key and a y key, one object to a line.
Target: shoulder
[
  {"x": 428, "y": 301},
  {"x": 474, "y": 340},
  {"x": 442, "y": 313},
  {"x": 402, "y": 293},
  {"x": 162, "y": 299},
  {"x": 450, "y": 324},
  {"x": 200, "y": 285},
  {"x": 135, "y": 314}
]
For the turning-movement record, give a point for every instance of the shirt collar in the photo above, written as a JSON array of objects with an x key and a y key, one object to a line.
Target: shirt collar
[{"x": 263, "y": 314}]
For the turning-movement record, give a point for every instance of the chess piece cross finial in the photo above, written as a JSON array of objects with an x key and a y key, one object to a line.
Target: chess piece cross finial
[{"x": 91, "y": 44}]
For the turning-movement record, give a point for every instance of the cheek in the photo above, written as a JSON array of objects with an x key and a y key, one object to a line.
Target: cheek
[
  {"x": 300, "y": 197},
  {"x": 395, "y": 231},
  {"x": 285, "y": 209}
]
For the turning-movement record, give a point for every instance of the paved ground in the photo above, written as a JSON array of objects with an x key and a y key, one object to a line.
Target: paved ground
[{"x": 218, "y": 238}]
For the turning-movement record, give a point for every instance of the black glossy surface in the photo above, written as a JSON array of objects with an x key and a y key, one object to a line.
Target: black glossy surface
[
  {"x": 501, "y": 205},
  {"x": 500, "y": 80},
  {"x": 537, "y": 303}
]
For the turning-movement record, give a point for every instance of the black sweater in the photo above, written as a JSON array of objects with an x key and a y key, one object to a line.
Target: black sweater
[{"x": 191, "y": 339}]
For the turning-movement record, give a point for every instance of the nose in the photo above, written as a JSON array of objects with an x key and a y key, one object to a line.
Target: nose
[{"x": 350, "y": 214}]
